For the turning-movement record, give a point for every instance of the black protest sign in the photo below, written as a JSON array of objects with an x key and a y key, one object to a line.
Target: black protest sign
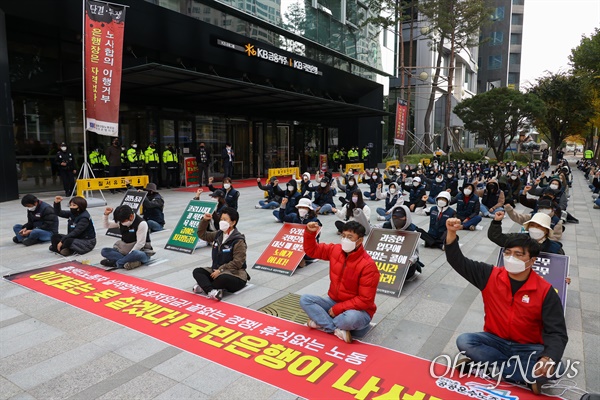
[
  {"x": 391, "y": 250},
  {"x": 133, "y": 199}
]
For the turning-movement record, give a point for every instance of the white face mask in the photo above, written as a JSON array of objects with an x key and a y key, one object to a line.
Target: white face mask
[
  {"x": 536, "y": 233},
  {"x": 350, "y": 183},
  {"x": 415, "y": 184},
  {"x": 514, "y": 265},
  {"x": 468, "y": 173},
  {"x": 450, "y": 176},
  {"x": 122, "y": 148},
  {"x": 223, "y": 225},
  {"x": 31, "y": 208},
  {"x": 348, "y": 245},
  {"x": 127, "y": 223},
  {"x": 392, "y": 190},
  {"x": 302, "y": 212},
  {"x": 546, "y": 211},
  {"x": 441, "y": 203},
  {"x": 355, "y": 200},
  {"x": 290, "y": 188},
  {"x": 554, "y": 187},
  {"x": 439, "y": 179},
  {"x": 513, "y": 177},
  {"x": 467, "y": 192},
  {"x": 134, "y": 146},
  {"x": 323, "y": 184},
  {"x": 226, "y": 186},
  {"x": 374, "y": 176},
  {"x": 63, "y": 148}
]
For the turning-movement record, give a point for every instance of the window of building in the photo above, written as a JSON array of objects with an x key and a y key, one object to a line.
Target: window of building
[
  {"x": 517, "y": 19},
  {"x": 495, "y": 62},
  {"x": 498, "y": 14},
  {"x": 518, "y": 2},
  {"x": 515, "y": 58},
  {"x": 515, "y": 38},
  {"x": 496, "y": 38},
  {"x": 513, "y": 78}
]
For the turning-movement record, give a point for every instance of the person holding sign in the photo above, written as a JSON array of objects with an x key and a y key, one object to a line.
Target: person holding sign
[
  {"x": 228, "y": 269},
  {"x": 524, "y": 320},
  {"x": 350, "y": 301}
]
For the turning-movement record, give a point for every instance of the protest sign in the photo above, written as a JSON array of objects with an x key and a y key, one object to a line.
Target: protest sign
[
  {"x": 285, "y": 251},
  {"x": 133, "y": 199},
  {"x": 391, "y": 250},
  {"x": 192, "y": 173},
  {"x": 184, "y": 236}
]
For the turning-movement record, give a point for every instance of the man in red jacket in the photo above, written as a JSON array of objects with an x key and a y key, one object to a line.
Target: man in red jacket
[
  {"x": 524, "y": 325},
  {"x": 350, "y": 301}
]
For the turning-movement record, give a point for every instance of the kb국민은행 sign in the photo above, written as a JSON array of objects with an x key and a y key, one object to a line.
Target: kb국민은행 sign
[
  {"x": 184, "y": 236},
  {"x": 306, "y": 362},
  {"x": 285, "y": 251},
  {"x": 133, "y": 199},
  {"x": 554, "y": 268},
  {"x": 391, "y": 250}
]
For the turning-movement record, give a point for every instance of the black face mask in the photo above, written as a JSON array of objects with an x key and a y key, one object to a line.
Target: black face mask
[
  {"x": 74, "y": 211},
  {"x": 399, "y": 222}
]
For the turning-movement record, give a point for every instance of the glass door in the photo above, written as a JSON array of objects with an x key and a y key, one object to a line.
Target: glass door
[{"x": 276, "y": 146}]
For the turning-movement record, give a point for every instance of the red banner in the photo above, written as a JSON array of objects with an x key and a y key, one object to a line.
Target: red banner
[
  {"x": 308, "y": 363},
  {"x": 192, "y": 173},
  {"x": 103, "y": 49},
  {"x": 401, "y": 118}
]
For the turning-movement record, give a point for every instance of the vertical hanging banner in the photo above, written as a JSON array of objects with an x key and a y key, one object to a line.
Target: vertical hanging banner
[
  {"x": 401, "y": 115},
  {"x": 103, "y": 49}
]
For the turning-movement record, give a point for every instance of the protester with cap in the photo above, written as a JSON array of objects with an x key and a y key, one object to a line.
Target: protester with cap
[
  {"x": 81, "y": 234},
  {"x": 288, "y": 201},
  {"x": 228, "y": 268},
  {"x": 152, "y": 208},
  {"x": 353, "y": 275},
  {"x": 171, "y": 163},
  {"x": 231, "y": 195},
  {"x": 545, "y": 206},
  {"x": 438, "y": 215},
  {"x": 467, "y": 207},
  {"x": 305, "y": 184},
  {"x": 219, "y": 196},
  {"x": 538, "y": 228},
  {"x": 416, "y": 193},
  {"x": 41, "y": 223},
  {"x": 65, "y": 162},
  {"x": 303, "y": 215},
  {"x": 523, "y": 315},
  {"x": 274, "y": 194}
]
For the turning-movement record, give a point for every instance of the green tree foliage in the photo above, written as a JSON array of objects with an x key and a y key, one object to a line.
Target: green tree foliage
[
  {"x": 585, "y": 58},
  {"x": 498, "y": 115},
  {"x": 569, "y": 103}
]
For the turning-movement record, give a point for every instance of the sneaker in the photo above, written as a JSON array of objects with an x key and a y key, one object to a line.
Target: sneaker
[
  {"x": 346, "y": 336},
  {"x": 380, "y": 218},
  {"x": 464, "y": 366},
  {"x": 596, "y": 206},
  {"x": 595, "y": 196},
  {"x": 312, "y": 324},
  {"x": 108, "y": 263},
  {"x": 215, "y": 294},
  {"x": 479, "y": 228},
  {"x": 30, "y": 242},
  {"x": 420, "y": 211},
  {"x": 472, "y": 228},
  {"x": 197, "y": 289},
  {"x": 132, "y": 265},
  {"x": 258, "y": 206},
  {"x": 66, "y": 252},
  {"x": 15, "y": 239}
]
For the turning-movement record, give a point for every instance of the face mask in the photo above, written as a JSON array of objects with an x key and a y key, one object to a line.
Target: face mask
[
  {"x": 450, "y": 176},
  {"x": 350, "y": 183},
  {"x": 376, "y": 171},
  {"x": 374, "y": 176},
  {"x": 536, "y": 233},
  {"x": 439, "y": 179},
  {"x": 513, "y": 177},
  {"x": 74, "y": 211},
  {"x": 127, "y": 223},
  {"x": 355, "y": 200},
  {"x": 31, "y": 208},
  {"x": 226, "y": 186},
  {"x": 514, "y": 265},
  {"x": 290, "y": 188},
  {"x": 302, "y": 212},
  {"x": 467, "y": 192},
  {"x": 348, "y": 245},
  {"x": 323, "y": 184},
  {"x": 415, "y": 184},
  {"x": 392, "y": 190},
  {"x": 521, "y": 173},
  {"x": 202, "y": 146},
  {"x": 223, "y": 225},
  {"x": 134, "y": 146},
  {"x": 399, "y": 222},
  {"x": 441, "y": 203},
  {"x": 469, "y": 173},
  {"x": 554, "y": 187},
  {"x": 63, "y": 148},
  {"x": 546, "y": 211}
]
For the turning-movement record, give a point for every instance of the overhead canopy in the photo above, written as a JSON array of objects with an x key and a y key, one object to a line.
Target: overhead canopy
[{"x": 178, "y": 86}]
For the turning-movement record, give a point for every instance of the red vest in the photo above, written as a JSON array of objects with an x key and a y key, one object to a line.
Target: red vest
[{"x": 518, "y": 318}]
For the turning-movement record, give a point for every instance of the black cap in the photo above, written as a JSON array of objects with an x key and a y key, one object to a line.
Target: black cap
[
  {"x": 218, "y": 193},
  {"x": 399, "y": 212}
]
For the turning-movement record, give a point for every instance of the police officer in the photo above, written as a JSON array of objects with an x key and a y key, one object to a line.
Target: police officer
[
  {"x": 96, "y": 162},
  {"x": 135, "y": 159},
  {"x": 152, "y": 160},
  {"x": 171, "y": 162},
  {"x": 65, "y": 163},
  {"x": 365, "y": 156},
  {"x": 125, "y": 165}
]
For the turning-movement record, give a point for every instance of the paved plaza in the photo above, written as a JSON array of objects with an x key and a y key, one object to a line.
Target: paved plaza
[{"x": 51, "y": 350}]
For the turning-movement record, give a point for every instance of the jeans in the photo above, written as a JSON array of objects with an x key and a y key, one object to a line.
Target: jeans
[
  {"x": 485, "y": 347},
  {"x": 265, "y": 204},
  {"x": 431, "y": 200},
  {"x": 382, "y": 212},
  {"x": 472, "y": 222},
  {"x": 325, "y": 208},
  {"x": 114, "y": 255},
  {"x": 597, "y": 202},
  {"x": 369, "y": 196},
  {"x": 37, "y": 233},
  {"x": 486, "y": 213},
  {"x": 317, "y": 308},
  {"x": 154, "y": 226},
  {"x": 290, "y": 216}
]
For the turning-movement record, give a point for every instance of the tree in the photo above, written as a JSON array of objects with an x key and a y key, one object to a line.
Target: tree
[
  {"x": 498, "y": 115},
  {"x": 568, "y": 100},
  {"x": 585, "y": 58}
]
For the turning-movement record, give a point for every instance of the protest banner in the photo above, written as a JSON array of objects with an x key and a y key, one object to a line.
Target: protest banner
[
  {"x": 192, "y": 173},
  {"x": 133, "y": 199},
  {"x": 554, "y": 268},
  {"x": 391, "y": 250},
  {"x": 184, "y": 237},
  {"x": 285, "y": 251}
]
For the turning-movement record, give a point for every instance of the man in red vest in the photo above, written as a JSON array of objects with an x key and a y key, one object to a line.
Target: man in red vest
[{"x": 524, "y": 325}]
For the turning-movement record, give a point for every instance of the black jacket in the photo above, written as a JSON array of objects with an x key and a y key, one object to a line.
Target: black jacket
[{"x": 43, "y": 217}]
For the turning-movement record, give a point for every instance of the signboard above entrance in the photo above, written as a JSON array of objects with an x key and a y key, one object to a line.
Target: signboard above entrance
[{"x": 254, "y": 50}]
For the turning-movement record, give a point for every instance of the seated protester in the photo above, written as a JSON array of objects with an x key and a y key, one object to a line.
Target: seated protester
[
  {"x": 392, "y": 197},
  {"x": 492, "y": 199},
  {"x": 348, "y": 188},
  {"x": 304, "y": 185},
  {"x": 329, "y": 176},
  {"x": 219, "y": 195},
  {"x": 323, "y": 202},
  {"x": 231, "y": 194},
  {"x": 355, "y": 210},
  {"x": 452, "y": 183},
  {"x": 538, "y": 228},
  {"x": 134, "y": 248},
  {"x": 534, "y": 330},
  {"x": 289, "y": 200},
  {"x": 304, "y": 214},
  {"x": 41, "y": 223},
  {"x": 228, "y": 268},
  {"x": 467, "y": 207},
  {"x": 81, "y": 234},
  {"x": 544, "y": 206},
  {"x": 389, "y": 175},
  {"x": 401, "y": 221},
  {"x": 438, "y": 214},
  {"x": 554, "y": 189},
  {"x": 436, "y": 186},
  {"x": 514, "y": 186},
  {"x": 152, "y": 209},
  {"x": 416, "y": 194},
  {"x": 274, "y": 194},
  {"x": 503, "y": 186},
  {"x": 373, "y": 182}
]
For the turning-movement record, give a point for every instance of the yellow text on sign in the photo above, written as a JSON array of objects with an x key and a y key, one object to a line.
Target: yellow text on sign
[{"x": 116, "y": 182}]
